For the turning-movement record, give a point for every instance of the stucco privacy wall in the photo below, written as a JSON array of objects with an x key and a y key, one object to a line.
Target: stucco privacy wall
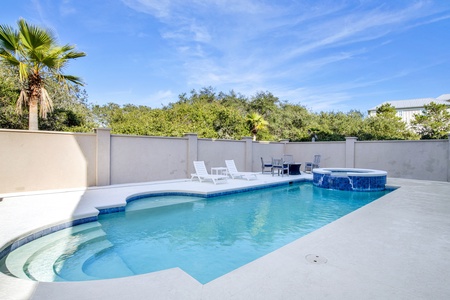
[
  {"x": 428, "y": 159},
  {"x": 39, "y": 160},
  {"x": 332, "y": 153},
  {"x": 215, "y": 152},
  {"x": 266, "y": 150},
  {"x": 143, "y": 158}
]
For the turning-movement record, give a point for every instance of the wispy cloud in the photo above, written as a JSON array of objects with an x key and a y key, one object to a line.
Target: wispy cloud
[
  {"x": 67, "y": 8},
  {"x": 158, "y": 8},
  {"x": 159, "y": 99},
  {"x": 324, "y": 53}
]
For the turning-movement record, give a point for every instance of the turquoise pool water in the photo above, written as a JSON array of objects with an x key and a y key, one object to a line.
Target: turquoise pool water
[{"x": 206, "y": 237}]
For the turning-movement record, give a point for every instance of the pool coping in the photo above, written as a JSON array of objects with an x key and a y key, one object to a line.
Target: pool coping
[
  {"x": 345, "y": 172},
  {"x": 405, "y": 251}
]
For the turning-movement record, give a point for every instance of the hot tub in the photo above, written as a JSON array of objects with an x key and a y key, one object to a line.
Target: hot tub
[{"x": 350, "y": 179}]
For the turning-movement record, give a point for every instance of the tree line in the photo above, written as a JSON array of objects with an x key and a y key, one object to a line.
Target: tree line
[
  {"x": 222, "y": 116},
  {"x": 32, "y": 81}
]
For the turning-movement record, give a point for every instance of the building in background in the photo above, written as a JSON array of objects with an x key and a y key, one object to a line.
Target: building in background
[{"x": 406, "y": 109}]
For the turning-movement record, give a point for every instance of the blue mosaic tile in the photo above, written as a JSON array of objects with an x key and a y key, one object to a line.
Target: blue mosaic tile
[
  {"x": 111, "y": 210},
  {"x": 350, "y": 183},
  {"x": 44, "y": 232}
]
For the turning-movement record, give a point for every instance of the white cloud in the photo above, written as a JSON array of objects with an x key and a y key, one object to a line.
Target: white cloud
[
  {"x": 252, "y": 45},
  {"x": 67, "y": 8},
  {"x": 158, "y": 8},
  {"x": 160, "y": 98}
]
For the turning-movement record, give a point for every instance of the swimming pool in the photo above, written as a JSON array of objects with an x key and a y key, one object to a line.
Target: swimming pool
[{"x": 206, "y": 237}]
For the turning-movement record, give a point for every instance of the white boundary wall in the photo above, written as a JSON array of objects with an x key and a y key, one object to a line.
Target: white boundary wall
[
  {"x": 42, "y": 160},
  {"x": 406, "y": 159}
]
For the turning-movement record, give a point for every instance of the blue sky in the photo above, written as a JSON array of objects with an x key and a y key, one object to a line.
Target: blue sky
[{"x": 328, "y": 55}]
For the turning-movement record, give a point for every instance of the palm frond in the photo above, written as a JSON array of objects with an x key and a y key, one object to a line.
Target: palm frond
[
  {"x": 73, "y": 79},
  {"x": 34, "y": 52},
  {"x": 10, "y": 58},
  {"x": 51, "y": 61},
  {"x": 23, "y": 71},
  {"x": 34, "y": 37},
  {"x": 66, "y": 48},
  {"x": 45, "y": 104},
  {"x": 74, "y": 54},
  {"x": 22, "y": 101},
  {"x": 9, "y": 38}
]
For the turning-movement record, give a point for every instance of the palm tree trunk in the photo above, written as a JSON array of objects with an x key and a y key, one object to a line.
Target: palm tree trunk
[
  {"x": 34, "y": 95},
  {"x": 33, "y": 115}
]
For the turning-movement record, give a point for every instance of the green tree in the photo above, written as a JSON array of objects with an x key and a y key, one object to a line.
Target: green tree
[
  {"x": 71, "y": 111},
  {"x": 386, "y": 125},
  {"x": 235, "y": 101},
  {"x": 35, "y": 54},
  {"x": 9, "y": 92},
  {"x": 291, "y": 122},
  {"x": 434, "y": 122},
  {"x": 256, "y": 123},
  {"x": 335, "y": 126},
  {"x": 265, "y": 104}
]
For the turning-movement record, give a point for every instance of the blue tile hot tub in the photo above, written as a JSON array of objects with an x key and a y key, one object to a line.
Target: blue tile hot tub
[{"x": 350, "y": 179}]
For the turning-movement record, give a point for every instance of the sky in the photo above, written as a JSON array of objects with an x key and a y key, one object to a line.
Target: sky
[{"x": 327, "y": 55}]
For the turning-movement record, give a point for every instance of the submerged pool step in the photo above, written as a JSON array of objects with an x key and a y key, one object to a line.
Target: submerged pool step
[
  {"x": 70, "y": 267},
  {"x": 27, "y": 262},
  {"x": 107, "y": 264},
  {"x": 40, "y": 265}
]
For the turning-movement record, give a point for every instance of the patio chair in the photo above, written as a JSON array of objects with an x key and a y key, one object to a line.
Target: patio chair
[
  {"x": 279, "y": 165},
  {"x": 202, "y": 174},
  {"x": 309, "y": 166},
  {"x": 288, "y": 159},
  {"x": 265, "y": 165},
  {"x": 234, "y": 173}
]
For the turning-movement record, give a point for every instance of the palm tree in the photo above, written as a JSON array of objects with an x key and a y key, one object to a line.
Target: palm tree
[
  {"x": 256, "y": 123},
  {"x": 34, "y": 52}
]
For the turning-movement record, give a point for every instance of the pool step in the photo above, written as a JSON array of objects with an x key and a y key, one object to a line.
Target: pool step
[
  {"x": 70, "y": 265},
  {"x": 106, "y": 264},
  {"x": 27, "y": 262},
  {"x": 40, "y": 265}
]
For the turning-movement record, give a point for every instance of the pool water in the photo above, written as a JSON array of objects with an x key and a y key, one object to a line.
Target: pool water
[{"x": 205, "y": 237}]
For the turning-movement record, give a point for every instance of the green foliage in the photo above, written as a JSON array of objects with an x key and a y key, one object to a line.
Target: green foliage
[
  {"x": 256, "y": 124},
  {"x": 291, "y": 122},
  {"x": 265, "y": 104},
  {"x": 33, "y": 53},
  {"x": 434, "y": 122},
  {"x": 209, "y": 119},
  {"x": 71, "y": 110},
  {"x": 9, "y": 92},
  {"x": 335, "y": 126},
  {"x": 386, "y": 126},
  {"x": 386, "y": 110},
  {"x": 217, "y": 115}
]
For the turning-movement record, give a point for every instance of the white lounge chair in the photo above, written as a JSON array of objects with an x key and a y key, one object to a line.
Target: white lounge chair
[
  {"x": 202, "y": 174},
  {"x": 234, "y": 173}
]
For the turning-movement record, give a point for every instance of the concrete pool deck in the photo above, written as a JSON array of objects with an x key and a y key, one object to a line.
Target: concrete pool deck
[{"x": 397, "y": 247}]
